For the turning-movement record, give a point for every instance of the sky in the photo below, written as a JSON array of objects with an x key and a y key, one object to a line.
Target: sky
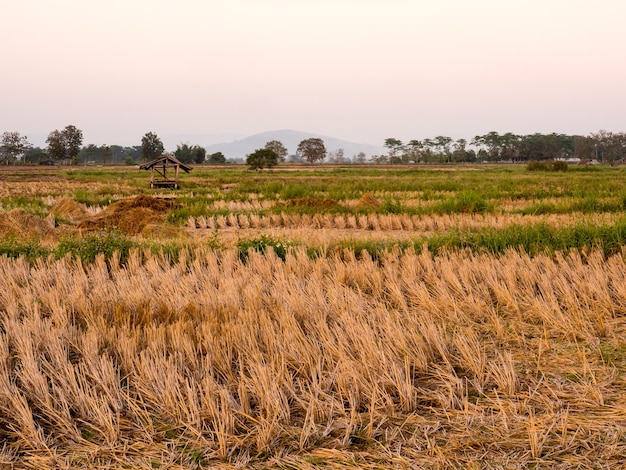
[{"x": 358, "y": 70}]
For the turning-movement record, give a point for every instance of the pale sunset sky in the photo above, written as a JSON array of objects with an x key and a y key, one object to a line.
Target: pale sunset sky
[{"x": 357, "y": 70}]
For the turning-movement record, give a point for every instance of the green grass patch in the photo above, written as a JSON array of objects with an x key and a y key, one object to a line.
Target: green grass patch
[
  {"x": 31, "y": 250},
  {"x": 92, "y": 198},
  {"x": 464, "y": 202},
  {"x": 31, "y": 205},
  {"x": 262, "y": 245},
  {"x": 90, "y": 246},
  {"x": 532, "y": 239}
]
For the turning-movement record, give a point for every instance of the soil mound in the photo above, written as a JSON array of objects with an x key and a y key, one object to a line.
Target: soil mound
[
  {"x": 130, "y": 216},
  {"x": 70, "y": 209},
  {"x": 20, "y": 223}
]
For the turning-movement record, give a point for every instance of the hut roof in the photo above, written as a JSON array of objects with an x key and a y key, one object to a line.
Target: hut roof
[{"x": 165, "y": 160}]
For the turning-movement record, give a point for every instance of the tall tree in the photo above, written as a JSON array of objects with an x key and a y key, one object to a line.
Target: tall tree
[
  {"x": 278, "y": 148},
  {"x": 395, "y": 147},
  {"x": 262, "y": 158},
  {"x": 459, "y": 153},
  {"x": 151, "y": 146},
  {"x": 65, "y": 144},
  {"x": 312, "y": 150},
  {"x": 414, "y": 150},
  {"x": 491, "y": 142},
  {"x": 442, "y": 143},
  {"x": 106, "y": 153},
  {"x": 73, "y": 140},
  {"x": 12, "y": 145}
]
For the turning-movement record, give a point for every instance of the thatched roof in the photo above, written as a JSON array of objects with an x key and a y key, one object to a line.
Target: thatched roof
[{"x": 165, "y": 160}]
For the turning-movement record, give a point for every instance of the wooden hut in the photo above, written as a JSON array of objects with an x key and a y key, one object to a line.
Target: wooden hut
[{"x": 159, "y": 168}]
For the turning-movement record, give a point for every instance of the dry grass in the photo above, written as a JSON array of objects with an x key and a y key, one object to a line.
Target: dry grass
[
  {"x": 19, "y": 223},
  {"x": 410, "y": 362}
]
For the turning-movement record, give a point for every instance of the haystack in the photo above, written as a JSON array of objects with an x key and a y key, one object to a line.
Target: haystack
[
  {"x": 69, "y": 209},
  {"x": 130, "y": 216},
  {"x": 22, "y": 224},
  {"x": 368, "y": 201}
]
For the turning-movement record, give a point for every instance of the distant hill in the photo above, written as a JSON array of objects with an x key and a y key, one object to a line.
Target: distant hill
[
  {"x": 170, "y": 141},
  {"x": 290, "y": 139}
]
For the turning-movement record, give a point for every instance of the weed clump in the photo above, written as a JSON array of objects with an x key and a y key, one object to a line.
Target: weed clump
[
  {"x": 87, "y": 248},
  {"x": 262, "y": 245},
  {"x": 556, "y": 165}
]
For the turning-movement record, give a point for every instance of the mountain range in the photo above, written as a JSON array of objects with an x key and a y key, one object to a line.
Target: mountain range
[{"x": 290, "y": 139}]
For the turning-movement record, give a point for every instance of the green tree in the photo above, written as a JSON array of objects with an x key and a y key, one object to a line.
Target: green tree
[
  {"x": 106, "y": 154},
  {"x": 278, "y": 147},
  {"x": 190, "y": 153},
  {"x": 312, "y": 150},
  {"x": 12, "y": 145},
  {"x": 442, "y": 144},
  {"x": 395, "y": 147},
  {"x": 216, "y": 158},
  {"x": 121, "y": 154},
  {"x": 93, "y": 153},
  {"x": 490, "y": 143},
  {"x": 89, "y": 153},
  {"x": 65, "y": 144},
  {"x": 459, "y": 153},
  {"x": 413, "y": 150},
  {"x": 199, "y": 154},
  {"x": 262, "y": 158},
  {"x": 35, "y": 155},
  {"x": 151, "y": 146}
]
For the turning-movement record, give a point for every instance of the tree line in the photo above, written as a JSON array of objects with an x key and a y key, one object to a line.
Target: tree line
[
  {"x": 65, "y": 147},
  {"x": 603, "y": 146}
]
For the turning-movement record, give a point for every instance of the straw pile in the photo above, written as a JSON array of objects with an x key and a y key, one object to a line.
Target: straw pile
[
  {"x": 130, "y": 216},
  {"x": 20, "y": 223}
]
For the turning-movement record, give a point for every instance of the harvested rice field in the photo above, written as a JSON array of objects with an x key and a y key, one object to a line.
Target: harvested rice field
[{"x": 313, "y": 317}]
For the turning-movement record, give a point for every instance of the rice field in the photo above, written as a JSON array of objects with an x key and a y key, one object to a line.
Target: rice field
[{"x": 454, "y": 317}]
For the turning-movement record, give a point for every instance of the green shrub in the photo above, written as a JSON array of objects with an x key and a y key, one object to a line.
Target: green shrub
[
  {"x": 534, "y": 165},
  {"x": 261, "y": 245},
  {"x": 29, "y": 249},
  {"x": 94, "y": 244},
  {"x": 557, "y": 165}
]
